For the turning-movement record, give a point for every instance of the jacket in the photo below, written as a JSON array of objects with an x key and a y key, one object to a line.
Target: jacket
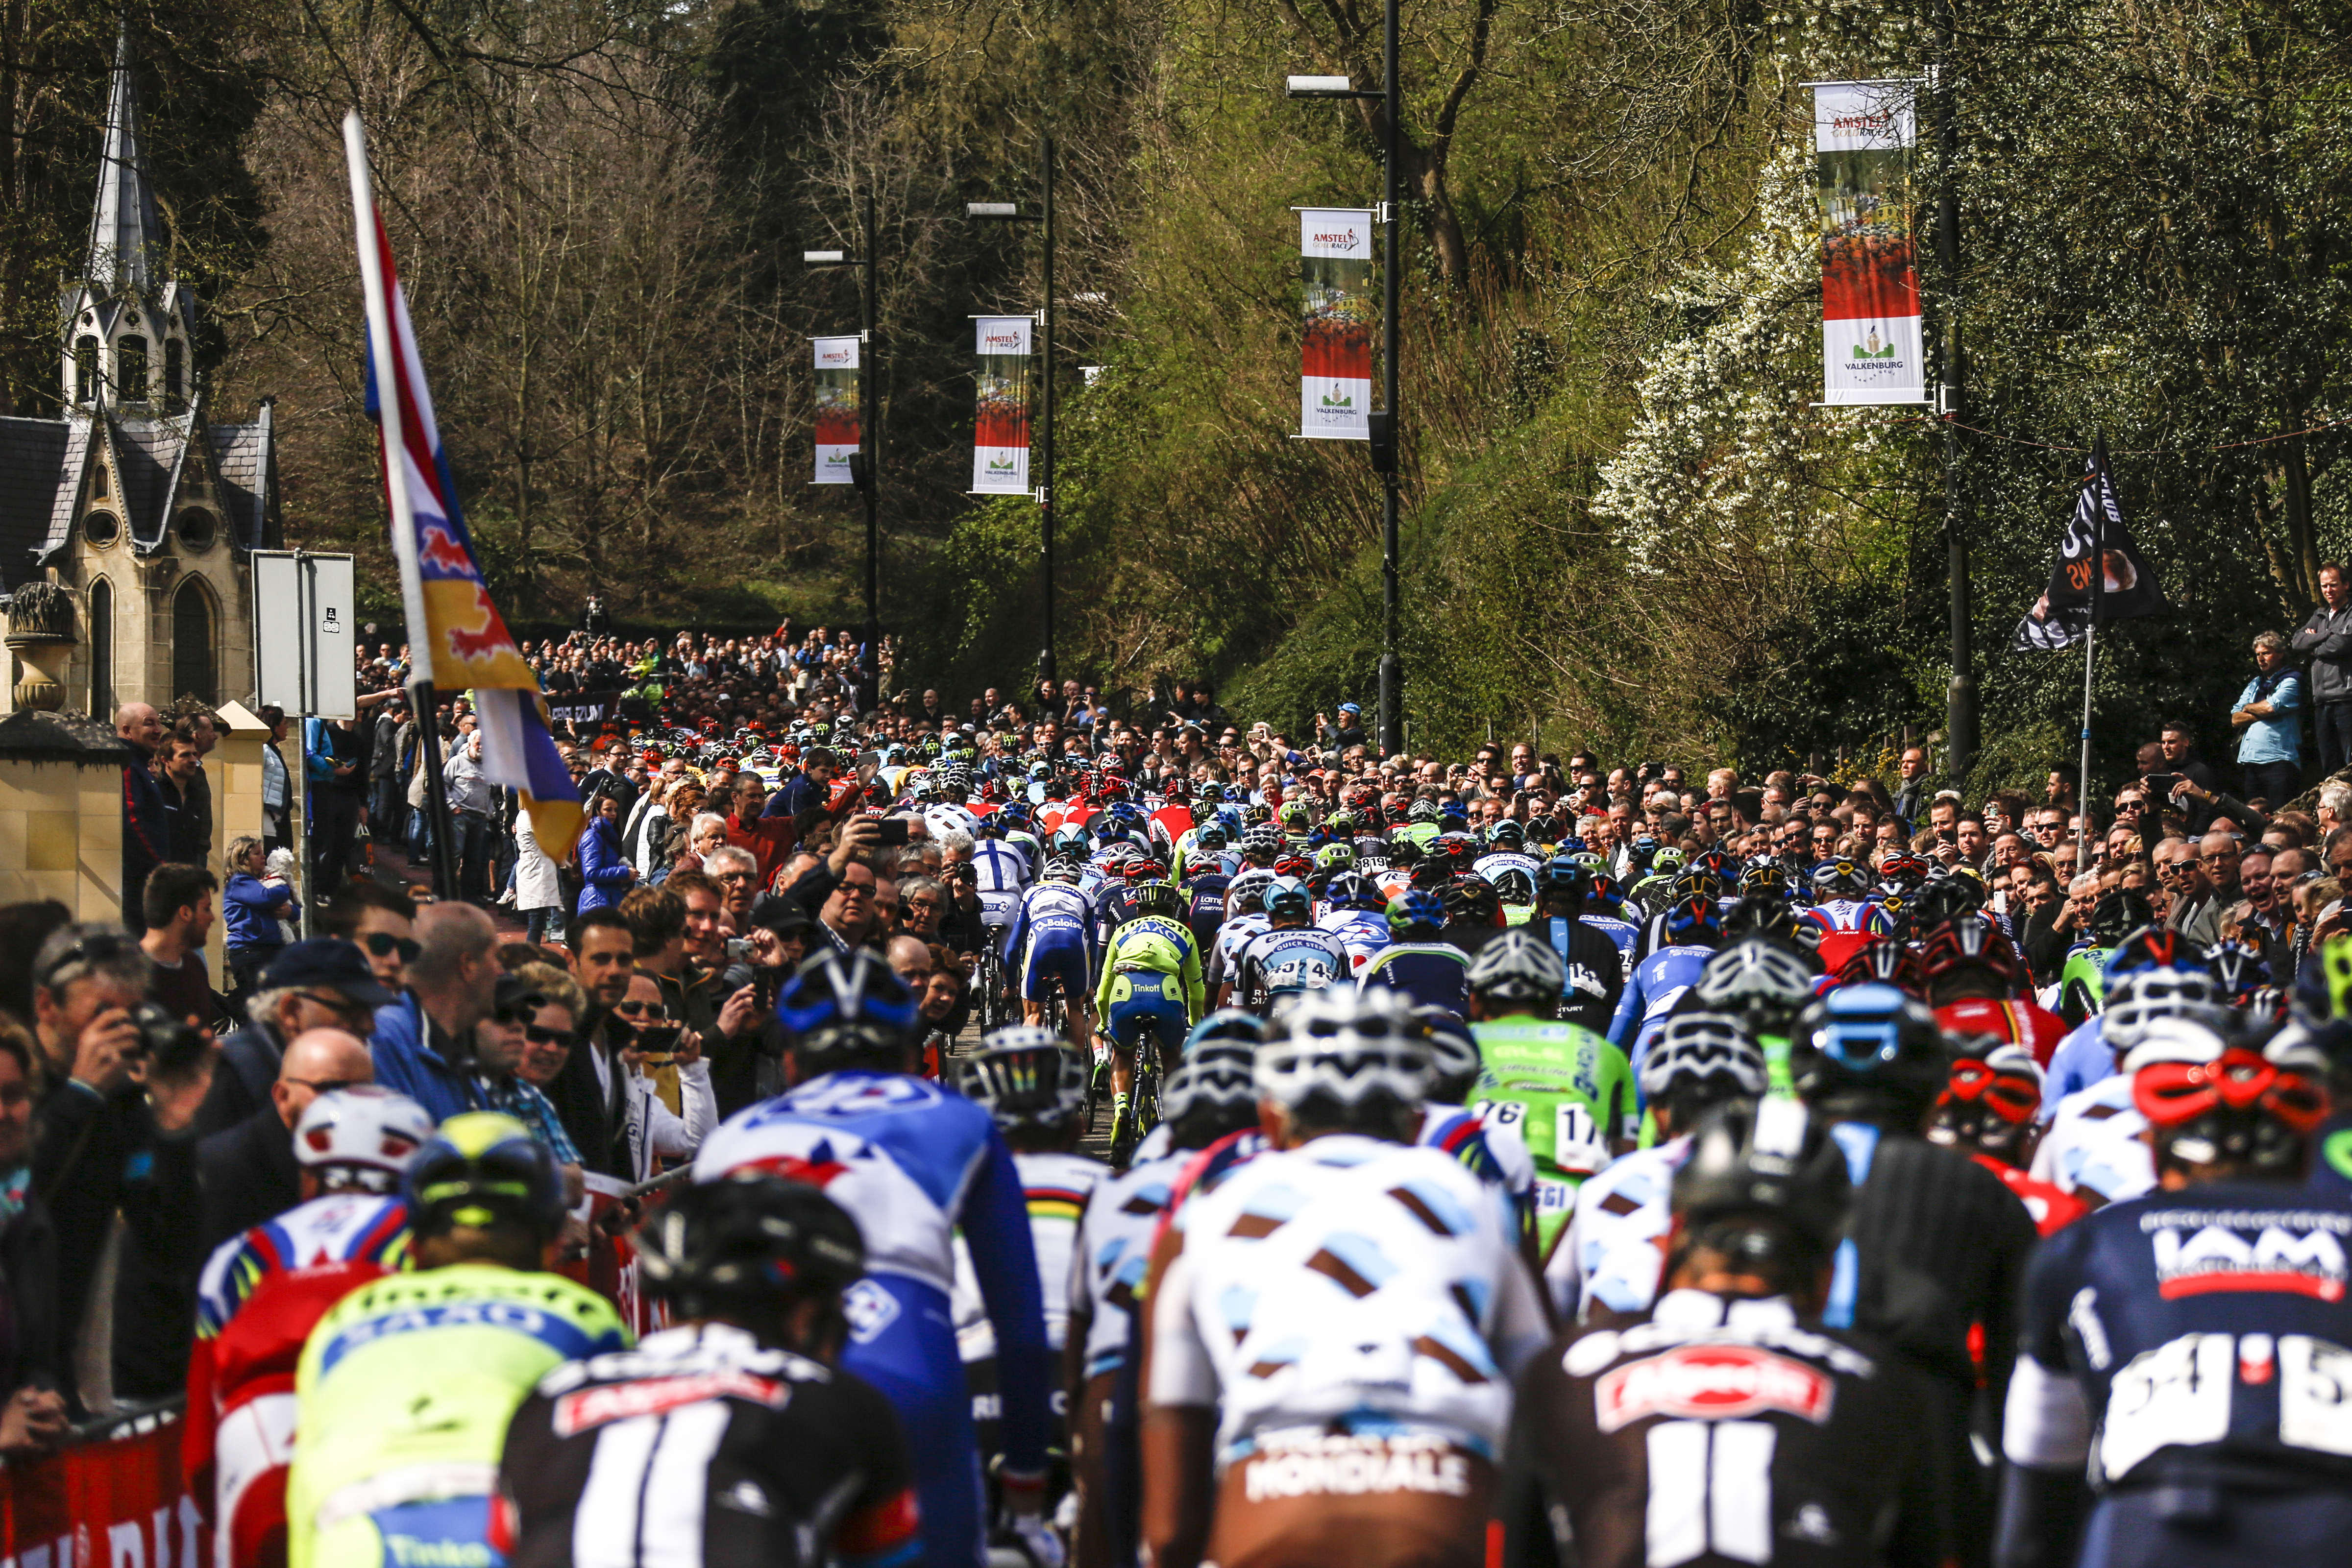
[
  {"x": 2326, "y": 640},
  {"x": 246, "y": 904},
  {"x": 249, "y": 1176},
  {"x": 536, "y": 885},
  {"x": 146, "y": 834},
  {"x": 28, "y": 1261},
  {"x": 604, "y": 876},
  {"x": 410, "y": 1058},
  {"x": 241, "y": 1079}
]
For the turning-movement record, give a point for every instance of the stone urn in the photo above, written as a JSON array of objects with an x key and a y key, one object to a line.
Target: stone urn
[{"x": 41, "y": 635}]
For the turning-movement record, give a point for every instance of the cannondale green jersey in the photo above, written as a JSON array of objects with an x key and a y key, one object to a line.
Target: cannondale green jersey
[{"x": 1568, "y": 1094}]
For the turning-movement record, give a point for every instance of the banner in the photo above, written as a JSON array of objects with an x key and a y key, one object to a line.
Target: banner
[
  {"x": 1335, "y": 358},
  {"x": 1000, "y": 434},
  {"x": 581, "y": 710},
  {"x": 1870, "y": 283},
  {"x": 2126, "y": 585},
  {"x": 836, "y": 408},
  {"x": 104, "y": 1502}
]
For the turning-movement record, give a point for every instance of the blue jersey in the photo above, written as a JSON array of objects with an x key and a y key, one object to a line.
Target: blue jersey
[
  {"x": 2080, "y": 1059},
  {"x": 1657, "y": 983},
  {"x": 2203, "y": 1332},
  {"x": 1624, "y": 932},
  {"x": 1433, "y": 974},
  {"x": 1052, "y": 912}
]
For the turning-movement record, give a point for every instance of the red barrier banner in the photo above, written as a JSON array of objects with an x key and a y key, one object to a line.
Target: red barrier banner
[{"x": 111, "y": 1502}]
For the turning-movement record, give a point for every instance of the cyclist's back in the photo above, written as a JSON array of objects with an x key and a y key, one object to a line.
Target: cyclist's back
[
  {"x": 1658, "y": 982},
  {"x": 1430, "y": 973},
  {"x": 1566, "y": 1093}
]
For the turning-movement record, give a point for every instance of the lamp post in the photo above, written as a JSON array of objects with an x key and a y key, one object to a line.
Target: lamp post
[
  {"x": 1010, "y": 212},
  {"x": 863, "y": 468},
  {"x": 1960, "y": 695},
  {"x": 1384, "y": 431}
]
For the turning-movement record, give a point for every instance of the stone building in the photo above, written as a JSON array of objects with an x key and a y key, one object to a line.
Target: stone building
[{"x": 132, "y": 501}]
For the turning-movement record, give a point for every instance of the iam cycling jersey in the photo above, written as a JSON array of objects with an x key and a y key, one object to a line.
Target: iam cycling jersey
[
  {"x": 1609, "y": 1257},
  {"x": 1351, "y": 1286},
  {"x": 404, "y": 1396},
  {"x": 1293, "y": 958},
  {"x": 1362, "y": 932},
  {"x": 1658, "y": 983},
  {"x": 2093, "y": 1147},
  {"x": 1564, "y": 1092},
  {"x": 912, "y": 1163},
  {"x": 2020, "y": 1023},
  {"x": 701, "y": 1449},
  {"x": 1050, "y": 939},
  {"x": 1433, "y": 974}
]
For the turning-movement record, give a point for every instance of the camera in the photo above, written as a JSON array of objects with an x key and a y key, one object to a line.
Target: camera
[{"x": 168, "y": 1043}]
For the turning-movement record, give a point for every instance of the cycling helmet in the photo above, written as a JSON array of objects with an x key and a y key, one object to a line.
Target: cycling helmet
[
  {"x": 1135, "y": 866},
  {"x": 1768, "y": 1157},
  {"x": 1564, "y": 878},
  {"x": 1454, "y": 1063},
  {"x": 1415, "y": 910},
  {"x": 1072, "y": 841},
  {"x": 1229, "y": 1024},
  {"x": 1293, "y": 816},
  {"x": 1769, "y": 882},
  {"x": 1209, "y": 837},
  {"x": 1293, "y": 865},
  {"x": 2240, "y": 969},
  {"x": 1341, "y": 823},
  {"x": 1422, "y": 810},
  {"x": 1947, "y": 896},
  {"x": 1023, "y": 1076},
  {"x": 1697, "y": 918},
  {"x": 2118, "y": 914},
  {"x": 1204, "y": 1100},
  {"x": 481, "y": 1168},
  {"x": 1885, "y": 961},
  {"x": 1761, "y": 982},
  {"x": 1695, "y": 1047},
  {"x": 1244, "y": 892},
  {"x": 1903, "y": 871},
  {"x": 360, "y": 1137},
  {"x": 1839, "y": 879},
  {"x": 1970, "y": 943},
  {"x": 1515, "y": 888},
  {"x": 1164, "y": 899},
  {"x": 1666, "y": 863},
  {"x": 1717, "y": 866},
  {"x": 2153, "y": 947},
  {"x": 1064, "y": 868},
  {"x": 1869, "y": 1050},
  {"x": 1346, "y": 1054},
  {"x": 2136, "y": 999},
  {"x": 2208, "y": 1102},
  {"x": 747, "y": 1244},
  {"x": 1335, "y": 857},
  {"x": 1288, "y": 897},
  {"x": 1261, "y": 840},
  {"x": 1507, "y": 834},
  {"x": 1990, "y": 1100},
  {"x": 1257, "y": 815},
  {"x": 1771, "y": 919},
  {"x": 1518, "y": 967},
  {"x": 1353, "y": 890},
  {"x": 1605, "y": 892},
  {"x": 847, "y": 1004}
]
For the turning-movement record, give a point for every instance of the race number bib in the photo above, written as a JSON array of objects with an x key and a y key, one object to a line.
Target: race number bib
[
  {"x": 1577, "y": 1147},
  {"x": 2177, "y": 1392}
]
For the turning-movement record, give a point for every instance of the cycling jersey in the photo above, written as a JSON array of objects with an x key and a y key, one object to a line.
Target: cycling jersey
[
  {"x": 1224, "y": 952},
  {"x": 1489, "y": 867},
  {"x": 2094, "y": 1145},
  {"x": 1433, "y": 974},
  {"x": 1658, "y": 983},
  {"x": 1351, "y": 1286},
  {"x": 1055, "y": 1187},
  {"x": 999, "y": 868},
  {"x": 1204, "y": 905},
  {"x": 2082, "y": 1059},
  {"x": 350, "y": 1227},
  {"x": 912, "y": 1162},
  {"x": 1610, "y": 1257},
  {"x": 1723, "y": 1432},
  {"x": 2022, "y": 1022},
  {"x": 1292, "y": 959},
  {"x": 1052, "y": 940},
  {"x": 2052, "y": 1207},
  {"x": 1152, "y": 945},
  {"x": 1624, "y": 933},
  {"x": 1362, "y": 932},
  {"x": 1565, "y": 1093},
  {"x": 1594, "y": 970},
  {"x": 2083, "y": 982},
  {"x": 404, "y": 1395},
  {"x": 1113, "y": 1251},
  {"x": 701, "y": 1449}
]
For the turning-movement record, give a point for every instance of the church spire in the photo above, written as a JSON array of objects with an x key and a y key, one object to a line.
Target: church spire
[{"x": 126, "y": 241}]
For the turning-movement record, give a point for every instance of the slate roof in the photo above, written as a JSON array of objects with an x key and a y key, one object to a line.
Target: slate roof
[
  {"x": 32, "y": 452},
  {"x": 241, "y": 459},
  {"x": 150, "y": 452}
]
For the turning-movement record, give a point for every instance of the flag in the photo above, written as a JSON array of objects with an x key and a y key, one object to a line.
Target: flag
[
  {"x": 2125, "y": 587},
  {"x": 1000, "y": 432},
  {"x": 838, "y": 410},
  {"x": 457, "y": 636},
  {"x": 1871, "y": 350},
  {"x": 1335, "y": 357}
]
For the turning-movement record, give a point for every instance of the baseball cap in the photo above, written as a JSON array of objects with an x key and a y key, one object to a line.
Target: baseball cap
[
  {"x": 1349, "y": 708},
  {"x": 328, "y": 961}
]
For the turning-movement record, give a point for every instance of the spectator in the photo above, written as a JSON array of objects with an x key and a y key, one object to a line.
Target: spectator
[
  {"x": 473, "y": 817},
  {"x": 2326, "y": 640},
  {"x": 649, "y": 1032},
  {"x": 32, "y": 1413},
  {"x": 605, "y": 875},
  {"x": 2217, "y": 857},
  {"x": 277, "y": 785},
  {"x": 538, "y": 889},
  {"x": 424, "y": 1039},
  {"x": 588, "y": 1092},
  {"x": 336, "y": 774},
  {"x": 381, "y": 922},
  {"x": 737, "y": 874},
  {"x": 253, "y": 909},
  {"x": 179, "y": 899},
  {"x": 146, "y": 819},
  {"x": 321, "y": 984},
  {"x": 552, "y": 1029},
  {"x": 248, "y": 1172},
  {"x": 2269, "y": 717},
  {"x": 767, "y": 837},
  {"x": 500, "y": 1041},
  {"x": 810, "y": 786},
  {"x": 388, "y": 737}
]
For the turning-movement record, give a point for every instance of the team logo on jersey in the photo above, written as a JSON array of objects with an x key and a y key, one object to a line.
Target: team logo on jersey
[
  {"x": 619, "y": 1401},
  {"x": 1711, "y": 1382},
  {"x": 870, "y": 1308},
  {"x": 2298, "y": 1252}
]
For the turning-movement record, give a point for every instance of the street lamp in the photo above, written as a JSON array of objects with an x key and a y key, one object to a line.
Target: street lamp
[
  {"x": 1383, "y": 425},
  {"x": 863, "y": 471},
  {"x": 1010, "y": 212}
]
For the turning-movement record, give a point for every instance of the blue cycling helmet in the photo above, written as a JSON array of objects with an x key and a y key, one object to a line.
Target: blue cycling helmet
[
  {"x": 1415, "y": 909},
  {"x": 1288, "y": 895},
  {"x": 1231, "y": 1024},
  {"x": 1868, "y": 1046},
  {"x": 1072, "y": 841},
  {"x": 1564, "y": 876},
  {"x": 847, "y": 1004},
  {"x": 1696, "y": 916}
]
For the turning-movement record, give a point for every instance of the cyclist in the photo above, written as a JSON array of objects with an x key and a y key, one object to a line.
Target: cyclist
[
  {"x": 1506, "y": 846},
  {"x": 2082, "y": 980},
  {"x": 1732, "y": 1425},
  {"x": 1150, "y": 984},
  {"x": 1357, "y": 915},
  {"x": 1986, "y": 1111},
  {"x": 1843, "y": 912},
  {"x": 1289, "y": 956},
  {"x": 2094, "y": 1147},
  {"x": 2085, "y": 1057},
  {"x": 732, "y": 1439},
  {"x": 1564, "y": 1092},
  {"x": 1330, "y": 1337},
  {"x": 1605, "y": 1268},
  {"x": 1692, "y": 928},
  {"x": 912, "y": 1162},
  {"x": 1206, "y": 884},
  {"x": 1207, "y": 1099},
  {"x": 261, "y": 1294},
  {"x": 1975, "y": 983},
  {"x": 1572, "y": 895},
  {"x": 406, "y": 1386},
  {"x": 1051, "y": 943},
  {"x": 1765, "y": 984},
  {"x": 2187, "y": 1349},
  {"x": 1591, "y": 960},
  {"x": 1431, "y": 972}
]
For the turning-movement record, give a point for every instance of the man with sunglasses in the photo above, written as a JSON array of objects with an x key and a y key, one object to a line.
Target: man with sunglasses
[
  {"x": 382, "y": 922},
  {"x": 248, "y": 1171}
]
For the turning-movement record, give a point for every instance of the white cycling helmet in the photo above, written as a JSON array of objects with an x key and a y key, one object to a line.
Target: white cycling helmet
[
  {"x": 1517, "y": 967},
  {"x": 1698, "y": 1045},
  {"x": 366, "y": 1133},
  {"x": 1346, "y": 1047},
  {"x": 1213, "y": 1081},
  {"x": 2138, "y": 999}
]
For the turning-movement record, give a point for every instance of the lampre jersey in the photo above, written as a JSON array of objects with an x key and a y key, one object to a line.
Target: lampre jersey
[{"x": 340, "y": 1228}]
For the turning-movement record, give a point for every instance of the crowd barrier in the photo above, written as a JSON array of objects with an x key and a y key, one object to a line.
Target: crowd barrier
[{"x": 110, "y": 1497}]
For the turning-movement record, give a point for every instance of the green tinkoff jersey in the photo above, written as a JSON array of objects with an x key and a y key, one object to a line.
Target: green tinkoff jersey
[{"x": 1566, "y": 1093}]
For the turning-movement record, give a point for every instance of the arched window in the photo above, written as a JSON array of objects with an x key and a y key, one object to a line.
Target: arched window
[
  {"x": 85, "y": 369},
  {"x": 101, "y": 649},
  {"x": 98, "y": 482},
  {"x": 130, "y": 361},
  {"x": 175, "y": 372},
  {"x": 192, "y": 644}
]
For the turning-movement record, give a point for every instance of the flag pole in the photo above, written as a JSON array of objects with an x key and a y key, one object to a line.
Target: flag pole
[
  {"x": 383, "y": 355},
  {"x": 2091, "y": 635}
]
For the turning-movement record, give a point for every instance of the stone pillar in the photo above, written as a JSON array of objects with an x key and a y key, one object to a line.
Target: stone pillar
[
  {"x": 234, "y": 768},
  {"x": 61, "y": 813}
]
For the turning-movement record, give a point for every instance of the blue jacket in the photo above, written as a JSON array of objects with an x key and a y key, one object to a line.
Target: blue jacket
[
  {"x": 2278, "y": 739},
  {"x": 604, "y": 871},
  {"x": 246, "y": 904},
  {"x": 404, "y": 1060}
]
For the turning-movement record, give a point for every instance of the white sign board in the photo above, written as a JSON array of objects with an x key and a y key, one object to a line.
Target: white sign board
[{"x": 304, "y": 658}]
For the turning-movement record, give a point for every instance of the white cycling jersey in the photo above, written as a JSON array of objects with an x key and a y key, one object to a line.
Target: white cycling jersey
[
  {"x": 1609, "y": 1255},
  {"x": 1113, "y": 1251},
  {"x": 1348, "y": 1284},
  {"x": 2094, "y": 1144},
  {"x": 1231, "y": 937},
  {"x": 1056, "y": 1188}
]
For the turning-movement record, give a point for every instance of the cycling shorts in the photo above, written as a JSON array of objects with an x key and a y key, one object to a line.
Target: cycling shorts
[
  {"x": 902, "y": 1341},
  {"x": 2146, "y": 1528},
  {"x": 1057, "y": 955},
  {"x": 454, "y": 1530},
  {"x": 1144, "y": 999},
  {"x": 997, "y": 909},
  {"x": 1387, "y": 1499},
  {"x": 252, "y": 1448}
]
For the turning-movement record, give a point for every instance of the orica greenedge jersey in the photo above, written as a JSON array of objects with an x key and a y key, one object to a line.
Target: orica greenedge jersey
[{"x": 1567, "y": 1094}]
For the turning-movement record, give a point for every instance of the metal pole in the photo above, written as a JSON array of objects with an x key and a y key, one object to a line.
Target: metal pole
[
  {"x": 2090, "y": 641},
  {"x": 1391, "y": 736},
  {"x": 869, "y": 449},
  {"x": 436, "y": 790},
  {"x": 1960, "y": 695},
  {"x": 1045, "y": 425}
]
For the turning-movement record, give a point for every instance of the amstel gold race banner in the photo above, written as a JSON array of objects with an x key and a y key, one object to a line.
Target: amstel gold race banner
[
  {"x": 1870, "y": 282},
  {"x": 836, "y": 408},
  {"x": 1000, "y": 436},
  {"x": 1335, "y": 361}
]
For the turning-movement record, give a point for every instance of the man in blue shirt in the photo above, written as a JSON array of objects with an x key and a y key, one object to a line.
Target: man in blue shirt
[
  {"x": 424, "y": 1039},
  {"x": 2269, "y": 720}
]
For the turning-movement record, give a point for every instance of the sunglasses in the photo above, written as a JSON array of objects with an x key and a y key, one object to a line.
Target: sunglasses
[
  {"x": 657, "y": 1011},
  {"x": 328, "y": 1085},
  {"x": 384, "y": 944},
  {"x": 537, "y": 1036}
]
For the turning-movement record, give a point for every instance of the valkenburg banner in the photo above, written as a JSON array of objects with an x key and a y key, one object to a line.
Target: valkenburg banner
[
  {"x": 1870, "y": 282},
  {"x": 1000, "y": 435},
  {"x": 836, "y": 408},
  {"x": 1335, "y": 361}
]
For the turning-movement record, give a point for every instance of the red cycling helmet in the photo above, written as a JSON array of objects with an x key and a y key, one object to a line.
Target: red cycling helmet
[
  {"x": 2169, "y": 1093},
  {"x": 1883, "y": 961},
  {"x": 1970, "y": 942},
  {"x": 2004, "y": 1080}
]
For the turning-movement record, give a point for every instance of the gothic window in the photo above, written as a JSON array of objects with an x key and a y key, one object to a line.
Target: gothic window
[
  {"x": 192, "y": 669},
  {"x": 102, "y": 647},
  {"x": 85, "y": 369},
  {"x": 176, "y": 371},
  {"x": 196, "y": 529},
  {"x": 130, "y": 361},
  {"x": 98, "y": 481},
  {"x": 100, "y": 528}
]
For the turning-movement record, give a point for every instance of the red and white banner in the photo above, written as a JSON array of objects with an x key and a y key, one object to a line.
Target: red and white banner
[
  {"x": 1871, "y": 347},
  {"x": 115, "y": 1501},
  {"x": 837, "y": 408},
  {"x": 1000, "y": 435},
  {"x": 1335, "y": 358}
]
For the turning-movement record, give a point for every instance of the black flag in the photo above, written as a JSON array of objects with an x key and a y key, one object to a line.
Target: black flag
[{"x": 2126, "y": 586}]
